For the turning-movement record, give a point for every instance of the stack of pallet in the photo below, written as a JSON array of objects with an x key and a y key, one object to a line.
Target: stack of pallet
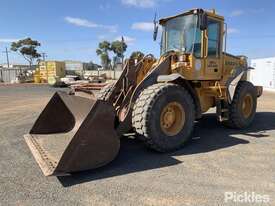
[{"x": 51, "y": 69}]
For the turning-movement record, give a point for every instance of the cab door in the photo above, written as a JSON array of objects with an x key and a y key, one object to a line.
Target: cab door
[{"x": 212, "y": 60}]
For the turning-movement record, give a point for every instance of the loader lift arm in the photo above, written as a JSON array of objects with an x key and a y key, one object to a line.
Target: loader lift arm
[{"x": 135, "y": 78}]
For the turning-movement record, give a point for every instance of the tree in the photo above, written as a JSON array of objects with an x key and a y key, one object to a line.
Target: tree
[
  {"x": 137, "y": 55},
  {"x": 27, "y": 48},
  {"x": 92, "y": 66},
  {"x": 118, "y": 48},
  {"x": 102, "y": 51}
]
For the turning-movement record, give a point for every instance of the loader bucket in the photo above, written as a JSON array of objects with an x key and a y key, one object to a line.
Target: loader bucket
[{"x": 73, "y": 134}]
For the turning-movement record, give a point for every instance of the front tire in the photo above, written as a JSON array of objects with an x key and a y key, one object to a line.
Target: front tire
[
  {"x": 243, "y": 107},
  {"x": 164, "y": 116}
]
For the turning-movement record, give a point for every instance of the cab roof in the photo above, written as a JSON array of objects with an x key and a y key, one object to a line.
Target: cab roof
[{"x": 211, "y": 13}]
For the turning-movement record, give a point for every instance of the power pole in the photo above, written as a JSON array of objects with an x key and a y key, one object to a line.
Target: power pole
[
  {"x": 44, "y": 55},
  {"x": 7, "y": 55},
  {"x": 122, "y": 65}
]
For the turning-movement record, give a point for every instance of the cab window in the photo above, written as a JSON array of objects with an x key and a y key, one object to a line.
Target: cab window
[
  {"x": 195, "y": 45},
  {"x": 213, "y": 38}
]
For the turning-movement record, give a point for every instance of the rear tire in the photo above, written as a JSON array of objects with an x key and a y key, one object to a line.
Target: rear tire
[
  {"x": 105, "y": 91},
  {"x": 243, "y": 107},
  {"x": 164, "y": 116}
]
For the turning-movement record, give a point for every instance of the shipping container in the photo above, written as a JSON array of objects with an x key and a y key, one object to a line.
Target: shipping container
[
  {"x": 74, "y": 66},
  {"x": 9, "y": 75},
  {"x": 49, "y": 69},
  {"x": 263, "y": 73}
]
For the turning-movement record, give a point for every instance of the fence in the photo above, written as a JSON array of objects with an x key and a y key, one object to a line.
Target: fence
[
  {"x": 9, "y": 75},
  {"x": 110, "y": 74}
]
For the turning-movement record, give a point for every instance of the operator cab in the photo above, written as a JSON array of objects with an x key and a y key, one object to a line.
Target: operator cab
[{"x": 199, "y": 34}]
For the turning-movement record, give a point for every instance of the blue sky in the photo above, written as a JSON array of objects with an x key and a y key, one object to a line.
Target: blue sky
[{"x": 71, "y": 30}]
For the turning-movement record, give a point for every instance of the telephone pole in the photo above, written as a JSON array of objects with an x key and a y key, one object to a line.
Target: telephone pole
[
  {"x": 44, "y": 55},
  {"x": 7, "y": 56},
  {"x": 122, "y": 65}
]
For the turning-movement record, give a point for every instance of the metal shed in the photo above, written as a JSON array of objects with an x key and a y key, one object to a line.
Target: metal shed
[
  {"x": 263, "y": 73},
  {"x": 9, "y": 75}
]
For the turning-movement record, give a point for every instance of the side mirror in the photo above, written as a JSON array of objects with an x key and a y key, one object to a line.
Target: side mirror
[
  {"x": 203, "y": 21},
  {"x": 156, "y": 28},
  {"x": 155, "y": 34}
]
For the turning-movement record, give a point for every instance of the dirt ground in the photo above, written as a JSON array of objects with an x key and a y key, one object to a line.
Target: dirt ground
[{"x": 217, "y": 160}]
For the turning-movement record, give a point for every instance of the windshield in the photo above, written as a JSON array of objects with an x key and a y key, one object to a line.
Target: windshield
[{"x": 182, "y": 34}]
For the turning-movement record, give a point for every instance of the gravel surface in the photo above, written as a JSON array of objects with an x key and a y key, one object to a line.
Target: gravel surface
[{"x": 217, "y": 160}]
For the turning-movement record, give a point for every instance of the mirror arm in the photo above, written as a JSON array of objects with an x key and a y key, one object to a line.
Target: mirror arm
[
  {"x": 156, "y": 28},
  {"x": 155, "y": 34}
]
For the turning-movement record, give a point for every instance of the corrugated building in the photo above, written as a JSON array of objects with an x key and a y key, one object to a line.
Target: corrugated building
[
  {"x": 9, "y": 75},
  {"x": 263, "y": 73},
  {"x": 74, "y": 66}
]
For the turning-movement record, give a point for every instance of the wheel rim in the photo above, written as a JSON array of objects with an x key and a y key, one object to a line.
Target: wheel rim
[
  {"x": 172, "y": 118},
  {"x": 247, "y": 105}
]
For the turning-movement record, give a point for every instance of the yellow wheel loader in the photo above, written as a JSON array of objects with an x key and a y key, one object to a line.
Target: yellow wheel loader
[{"x": 158, "y": 99}]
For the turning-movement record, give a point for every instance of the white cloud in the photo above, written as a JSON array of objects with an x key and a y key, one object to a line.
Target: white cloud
[
  {"x": 80, "y": 22},
  {"x": 127, "y": 39},
  {"x": 237, "y": 12},
  {"x": 86, "y": 23},
  {"x": 101, "y": 37},
  {"x": 256, "y": 11},
  {"x": 3, "y": 40},
  {"x": 232, "y": 31},
  {"x": 143, "y": 26},
  {"x": 104, "y": 6},
  {"x": 140, "y": 3}
]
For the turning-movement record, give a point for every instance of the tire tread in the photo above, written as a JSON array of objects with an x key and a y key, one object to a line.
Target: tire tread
[
  {"x": 141, "y": 111},
  {"x": 234, "y": 120}
]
